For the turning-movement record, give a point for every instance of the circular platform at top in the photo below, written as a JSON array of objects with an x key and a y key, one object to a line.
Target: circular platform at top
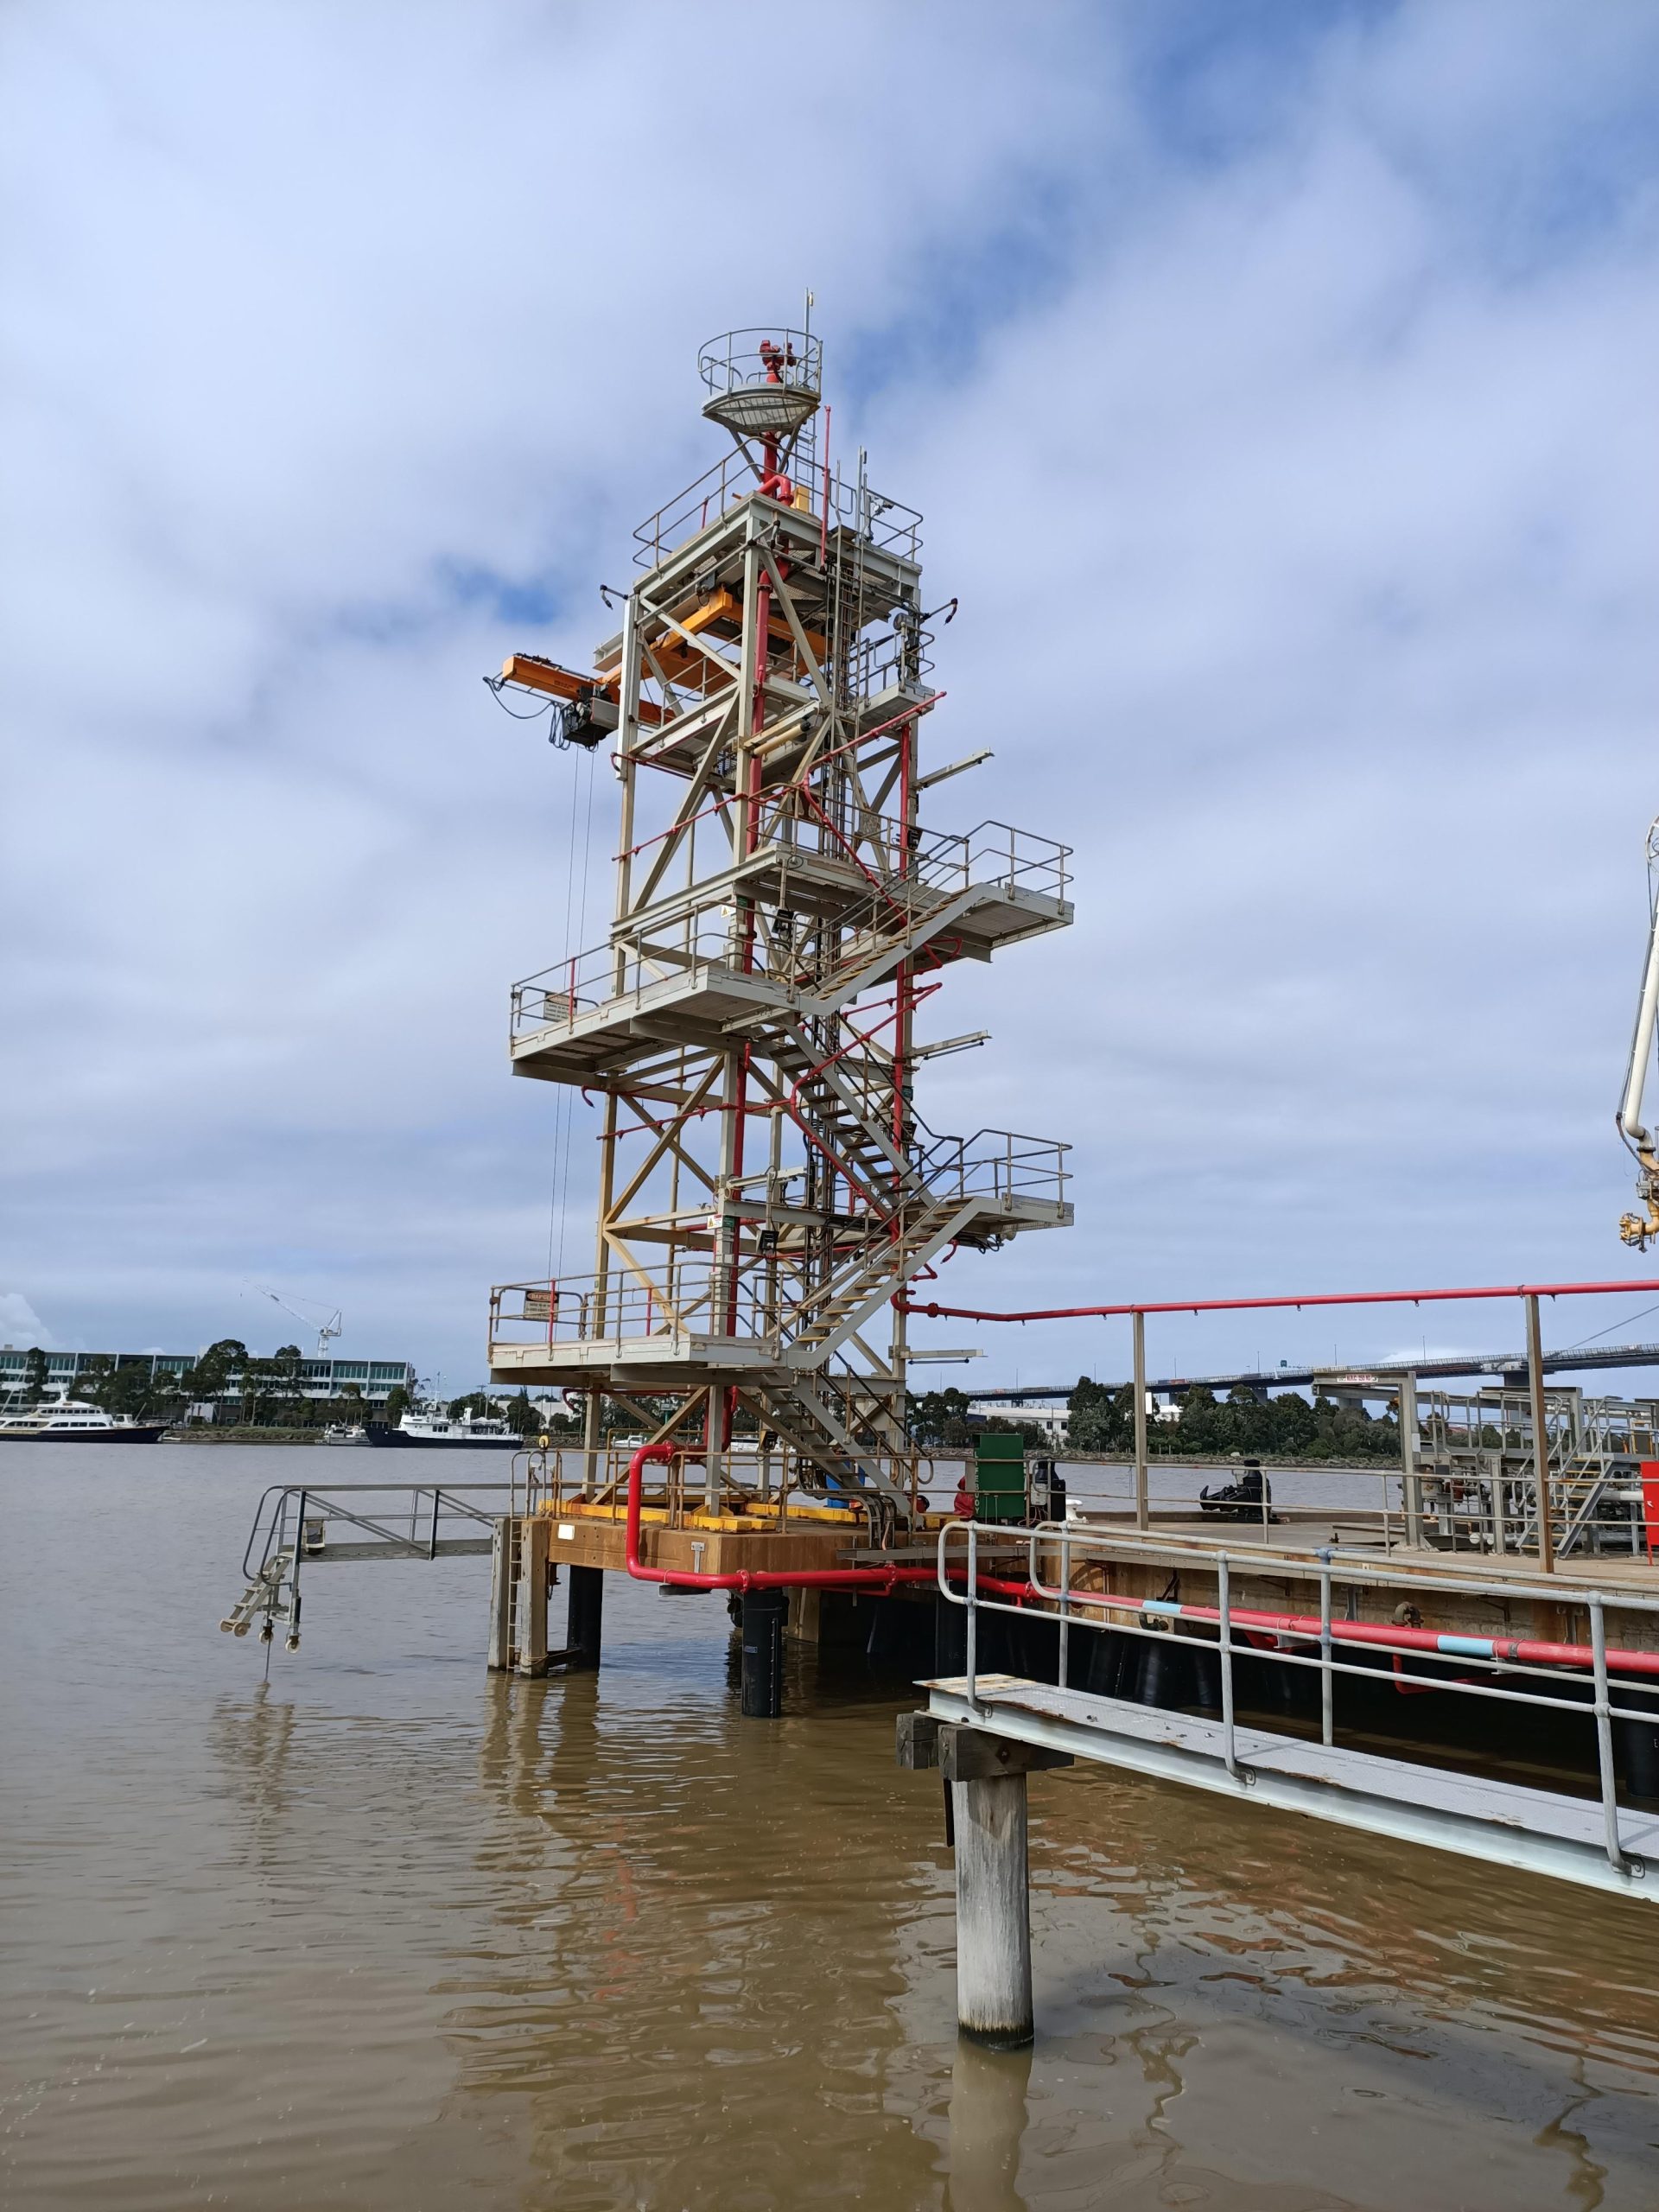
[{"x": 764, "y": 383}]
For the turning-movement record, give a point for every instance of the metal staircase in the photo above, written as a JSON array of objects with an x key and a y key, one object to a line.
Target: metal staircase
[
  {"x": 1481, "y": 1466},
  {"x": 768, "y": 1189}
]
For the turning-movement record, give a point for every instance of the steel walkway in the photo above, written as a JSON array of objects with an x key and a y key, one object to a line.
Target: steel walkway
[{"x": 1536, "y": 1830}]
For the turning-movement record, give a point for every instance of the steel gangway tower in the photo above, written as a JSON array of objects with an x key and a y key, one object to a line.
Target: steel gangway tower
[{"x": 767, "y": 1187}]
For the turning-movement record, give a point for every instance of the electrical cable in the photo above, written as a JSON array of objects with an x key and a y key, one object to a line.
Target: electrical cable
[
  {"x": 581, "y": 928},
  {"x": 562, "y": 1099},
  {"x": 1624, "y": 1324},
  {"x": 494, "y": 685}
]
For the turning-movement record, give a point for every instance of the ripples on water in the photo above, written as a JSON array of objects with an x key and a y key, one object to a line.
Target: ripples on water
[{"x": 392, "y": 1933}]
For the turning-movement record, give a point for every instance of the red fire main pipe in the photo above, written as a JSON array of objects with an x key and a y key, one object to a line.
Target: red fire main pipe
[
  {"x": 1314, "y": 1298},
  {"x": 1304, "y": 1627}
]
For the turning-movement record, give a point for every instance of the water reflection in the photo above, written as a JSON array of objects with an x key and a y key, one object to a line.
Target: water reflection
[
  {"x": 988, "y": 2126},
  {"x": 699, "y": 1948},
  {"x": 393, "y": 1933}
]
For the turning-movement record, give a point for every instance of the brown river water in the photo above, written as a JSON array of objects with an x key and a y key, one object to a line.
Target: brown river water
[{"x": 387, "y": 1931}]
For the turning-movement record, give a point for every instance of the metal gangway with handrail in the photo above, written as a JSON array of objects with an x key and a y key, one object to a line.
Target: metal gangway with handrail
[
  {"x": 294, "y": 1523},
  {"x": 1597, "y": 1842}
]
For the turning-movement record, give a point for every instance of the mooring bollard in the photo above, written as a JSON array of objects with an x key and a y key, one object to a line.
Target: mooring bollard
[{"x": 986, "y": 1776}]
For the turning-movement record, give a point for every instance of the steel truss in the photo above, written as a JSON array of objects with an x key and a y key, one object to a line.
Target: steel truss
[{"x": 767, "y": 1188}]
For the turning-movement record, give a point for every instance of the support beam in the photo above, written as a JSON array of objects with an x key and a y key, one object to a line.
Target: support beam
[
  {"x": 992, "y": 1912},
  {"x": 985, "y": 1779},
  {"x": 762, "y": 1629},
  {"x": 1411, "y": 1481},
  {"x": 1142, "y": 1513},
  {"x": 1540, "y": 1437},
  {"x": 503, "y": 1560},
  {"x": 535, "y": 1535},
  {"x": 584, "y": 1622}
]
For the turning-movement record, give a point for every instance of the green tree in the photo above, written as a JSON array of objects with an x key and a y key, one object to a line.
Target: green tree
[
  {"x": 1350, "y": 1433},
  {"x": 1100, "y": 1419},
  {"x": 259, "y": 1384},
  {"x": 290, "y": 1407},
  {"x": 522, "y": 1417},
  {"x": 476, "y": 1402},
  {"x": 130, "y": 1390},
  {"x": 397, "y": 1404},
  {"x": 94, "y": 1378},
  {"x": 939, "y": 1417},
  {"x": 1295, "y": 1421},
  {"x": 34, "y": 1376},
  {"x": 1031, "y": 1431},
  {"x": 1200, "y": 1428},
  {"x": 213, "y": 1374}
]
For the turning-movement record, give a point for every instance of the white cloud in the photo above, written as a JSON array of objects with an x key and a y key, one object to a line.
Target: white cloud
[
  {"x": 1291, "y": 455},
  {"x": 20, "y": 1324}
]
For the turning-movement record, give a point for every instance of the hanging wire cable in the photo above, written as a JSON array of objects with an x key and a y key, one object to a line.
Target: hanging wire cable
[
  {"x": 1624, "y": 1324},
  {"x": 581, "y": 931},
  {"x": 534, "y": 714},
  {"x": 560, "y": 1181}
]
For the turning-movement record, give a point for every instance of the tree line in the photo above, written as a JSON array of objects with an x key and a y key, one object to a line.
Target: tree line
[
  {"x": 1289, "y": 1426},
  {"x": 1100, "y": 1422}
]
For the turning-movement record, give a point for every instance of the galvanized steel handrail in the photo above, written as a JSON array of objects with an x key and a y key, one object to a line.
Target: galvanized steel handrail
[
  {"x": 443, "y": 1495},
  {"x": 1380, "y": 1640}
]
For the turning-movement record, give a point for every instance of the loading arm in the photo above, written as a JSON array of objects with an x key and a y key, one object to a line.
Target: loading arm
[{"x": 1641, "y": 1228}]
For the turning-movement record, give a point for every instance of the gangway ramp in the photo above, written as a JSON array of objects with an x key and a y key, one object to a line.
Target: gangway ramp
[{"x": 1538, "y": 1831}]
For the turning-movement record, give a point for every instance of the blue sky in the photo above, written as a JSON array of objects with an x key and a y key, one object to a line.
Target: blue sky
[{"x": 1277, "y": 383}]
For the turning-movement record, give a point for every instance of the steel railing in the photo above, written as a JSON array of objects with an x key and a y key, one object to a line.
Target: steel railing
[
  {"x": 896, "y": 885},
  {"x": 885, "y": 524},
  {"x": 695, "y": 1294},
  {"x": 1312, "y": 1646}
]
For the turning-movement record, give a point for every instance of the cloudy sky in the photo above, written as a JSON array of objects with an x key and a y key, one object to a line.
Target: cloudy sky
[{"x": 1279, "y": 381}]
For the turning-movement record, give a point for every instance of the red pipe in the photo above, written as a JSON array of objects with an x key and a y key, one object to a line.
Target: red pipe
[
  {"x": 1318, "y": 1298},
  {"x": 1304, "y": 1627},
  {"x": 1380, "y": 1635}
]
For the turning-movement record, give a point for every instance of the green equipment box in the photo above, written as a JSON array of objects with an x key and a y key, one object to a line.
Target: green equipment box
[{"x": 1000, "y": 1477}]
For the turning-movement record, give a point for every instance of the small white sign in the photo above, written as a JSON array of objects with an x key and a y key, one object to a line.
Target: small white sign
[{"x": 567, "y": 1529}]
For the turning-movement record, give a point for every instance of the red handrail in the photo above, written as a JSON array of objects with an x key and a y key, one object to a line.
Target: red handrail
[
  {"x": 1311, "y": 1298},
  {"x": 1303, "y": 1627}
]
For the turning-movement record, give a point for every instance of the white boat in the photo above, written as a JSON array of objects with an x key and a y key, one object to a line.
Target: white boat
[
  {"x": 430, "y": 1428},
  {"x": 342, "y": 1432},
  {"x": 71, "y": 1421}
]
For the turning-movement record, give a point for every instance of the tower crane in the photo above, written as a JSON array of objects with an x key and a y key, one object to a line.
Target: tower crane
[
  {"x": 326, "y": 1331},
  {"x": 1642, "y": 1228}
]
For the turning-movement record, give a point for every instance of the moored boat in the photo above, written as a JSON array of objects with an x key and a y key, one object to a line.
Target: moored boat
[
  {"x": 71, "y": 1421},
  {"x": 430, "y": 1428}
]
